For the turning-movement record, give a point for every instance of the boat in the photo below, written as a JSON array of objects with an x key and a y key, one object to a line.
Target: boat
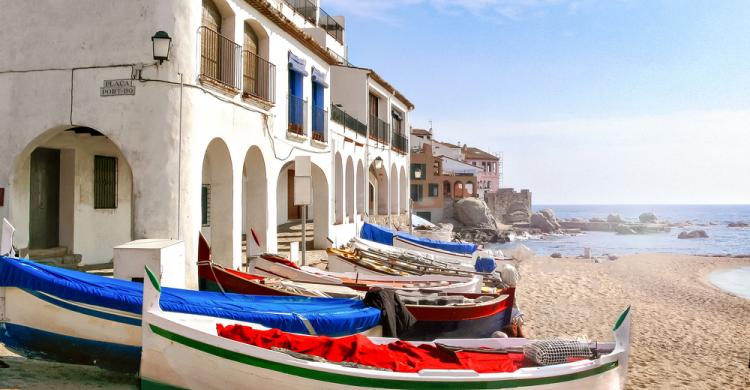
[
  {"x": 74, "y": 317},
  {"x": 277, "y": 266},
  {"x": 438, "y": 314},
  {"x": 202, "y": 352}
]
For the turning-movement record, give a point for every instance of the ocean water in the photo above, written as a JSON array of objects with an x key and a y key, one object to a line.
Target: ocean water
[{"x": 722, "y": 240}]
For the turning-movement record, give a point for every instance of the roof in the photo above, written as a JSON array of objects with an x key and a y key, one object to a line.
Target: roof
[
  {"x": 273, "y": 14},
  {"x": 378, "y": 79},
  {"x": 420, "y": 132},
  {"x": 476, "y": 153},
  {"x": 448, "y": 144}
]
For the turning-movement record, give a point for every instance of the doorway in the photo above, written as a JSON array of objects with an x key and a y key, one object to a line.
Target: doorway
[
  {"x": 44, "y": 197},
  {"x": 293, "y": 211}
]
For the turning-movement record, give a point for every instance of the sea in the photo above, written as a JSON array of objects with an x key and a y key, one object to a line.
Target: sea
[{"x": 722, "y": 240}]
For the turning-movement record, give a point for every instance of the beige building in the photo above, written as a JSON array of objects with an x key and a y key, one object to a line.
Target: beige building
[{"x": 437, "y": 181}]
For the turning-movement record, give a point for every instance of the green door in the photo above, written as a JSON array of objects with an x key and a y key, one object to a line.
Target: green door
[{"x": 44, "y": 200}]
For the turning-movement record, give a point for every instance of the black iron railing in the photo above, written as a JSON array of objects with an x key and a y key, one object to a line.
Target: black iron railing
[
  {"x": 319, "y": 124},
  {"x": 331, "y": 26},
  {"x": 259, "y": 77},
  {"x": 220, "y": 58},
  {"x": 297, "y": 109},
  {"x": 306, "y": 8},
  {"x": 379, "y": 129},
  {"x": 399, "y": 142},
  {"x": 349, "y": 122}
]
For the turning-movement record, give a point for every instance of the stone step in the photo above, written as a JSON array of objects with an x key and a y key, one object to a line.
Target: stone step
[{"x": 38, "y": 254}]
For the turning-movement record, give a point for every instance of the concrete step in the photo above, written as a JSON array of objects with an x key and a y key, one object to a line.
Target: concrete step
[{"x": 49, "y": 253}]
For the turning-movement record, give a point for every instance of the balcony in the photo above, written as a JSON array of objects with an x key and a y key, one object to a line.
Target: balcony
[
  {"x": 319, "y": 124},
  {"x": 297, "y": 110},
  {"x": 349, "y": 122},
  {"x": 306, "y": 8},
  {"x": 220, "y": 60},
  {"x": 379, "y": 130},
  {"x": 399, "y": 143},
  {"x": 259, "y": 77},
  {"x": 331, "y": 26}
]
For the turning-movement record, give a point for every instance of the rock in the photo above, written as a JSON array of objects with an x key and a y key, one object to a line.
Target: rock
[
  {"x": 549, "y": 214},
  {"x": 738, "y": 224},
  {"x": 647, "y": 218},
  {"x": 474, "y": 213},
  {"x": 556, "y": 255},
  {"x": 624, "y": 229},
  {"x": 612, "y": 257},
  {"x": 517, "y": 212},
  {"x": 614, "y": 218},
  {"x": 597, "y": 220},
  {"x": 693, "y": 234},
  {"x": 540, "y": 221}
]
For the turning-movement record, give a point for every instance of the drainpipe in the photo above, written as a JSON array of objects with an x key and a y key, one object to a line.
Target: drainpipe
[{"x": 367, "y": 149}]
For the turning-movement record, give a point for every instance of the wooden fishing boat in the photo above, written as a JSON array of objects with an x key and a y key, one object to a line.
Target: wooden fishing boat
[
  {"x": 201, "y": 352},
  {"x": 63, "y": 315},
  {"x": 438, "y": 314},
  {"x": 277, "y": 266}
]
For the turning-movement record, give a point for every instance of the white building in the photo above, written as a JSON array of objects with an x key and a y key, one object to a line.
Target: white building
[{"x": 103, "y": 145}]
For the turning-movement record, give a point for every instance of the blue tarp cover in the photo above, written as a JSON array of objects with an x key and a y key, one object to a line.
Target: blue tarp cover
[
  {"x": 385, "y": 236},
  {"x": 328, "y": 316},
  {"x": 455, "y": 247},
  {"x": 377, "y": 233}
]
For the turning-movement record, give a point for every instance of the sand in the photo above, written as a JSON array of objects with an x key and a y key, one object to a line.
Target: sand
[{"x": 686, "y": 333}]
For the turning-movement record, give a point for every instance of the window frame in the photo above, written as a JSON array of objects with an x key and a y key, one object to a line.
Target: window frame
[{"x": 99, "y": 190}]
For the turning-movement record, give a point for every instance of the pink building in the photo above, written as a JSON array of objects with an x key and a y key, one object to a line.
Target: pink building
[{"x": 488, "y": 178}]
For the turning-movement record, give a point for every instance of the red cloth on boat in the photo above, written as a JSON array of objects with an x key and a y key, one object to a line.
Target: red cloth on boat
[{"x": 398, "y": 356}]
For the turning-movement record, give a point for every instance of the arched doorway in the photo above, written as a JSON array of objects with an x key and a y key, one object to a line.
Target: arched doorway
[
  {"x": 350, "y": 189},
  {"x": 447, "y": 189},
  {"x": 458, "y": 190},
  {"x": 378, "y": 191},
  {"x": 217, "y": 213},
  {"x": 339, "y": 193},
  {"x": 289, "y": 216},
  {"x": 469, "y": 189},
  {"x": 71, "y": 197},
  {"x": 393, "y": 183},
  {"x": 255, "y": 198},
  {"x": 361, "y": 188}
]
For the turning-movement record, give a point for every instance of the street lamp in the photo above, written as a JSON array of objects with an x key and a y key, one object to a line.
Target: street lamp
[
  {"x": 162, "y": 42},
  {"x": 378, "y": 163}
]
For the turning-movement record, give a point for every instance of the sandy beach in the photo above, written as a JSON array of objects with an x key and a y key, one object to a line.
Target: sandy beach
[{"x": 686, "y": 333}]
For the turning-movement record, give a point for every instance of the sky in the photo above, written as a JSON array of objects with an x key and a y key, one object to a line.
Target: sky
[{"x": 590, "y": 101}]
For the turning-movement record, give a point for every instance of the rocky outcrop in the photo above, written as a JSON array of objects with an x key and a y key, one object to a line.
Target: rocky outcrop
[
  {"x": 738, "y": 224},
  {"x": 545, "y": 221},
  {"x": 693, "y": 234},
  {"x": 647, "y": 218},
  {"x": 517, "y": 212},
  {"x": 597, "y": 220},
  {"x": 615, "y": 218},
  {"x": 474, "y": 213},
  {"x": 556, "y": 255}
]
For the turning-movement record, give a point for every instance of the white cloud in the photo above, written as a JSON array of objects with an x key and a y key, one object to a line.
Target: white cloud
[{"x": 492, "y": 9}]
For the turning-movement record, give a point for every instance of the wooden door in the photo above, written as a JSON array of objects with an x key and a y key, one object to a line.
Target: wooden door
[
  {"x": 44, "y": 205},
  {"x": 293, "y": 211}
]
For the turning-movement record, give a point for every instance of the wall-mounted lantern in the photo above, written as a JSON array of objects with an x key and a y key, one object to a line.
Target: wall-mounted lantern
[
  {"x": 162, "y": 42},
  {"x": 378, "y": 163}
]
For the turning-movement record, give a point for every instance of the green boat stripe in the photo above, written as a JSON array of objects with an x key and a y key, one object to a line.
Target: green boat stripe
[
  {"x": 621, "y": 319},
  {"x": 148, "y": 384},
  {"x": 372, "y": 382}
]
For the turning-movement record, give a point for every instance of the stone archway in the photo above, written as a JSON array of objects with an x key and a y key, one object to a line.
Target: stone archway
[
  {"x": 404, "y": 191},
  {"x": 361, "y": 185},
  {"x": 317, "y": 211},
  {"x": 378, "y": 191},
  {"x": 350, "y": 189},
  {"x": 71, "y": 197},
  {"x": 217, "y": 206},
  {"x": 255, "y": 198},
  {"x": 393, "y": 183},
  {"x": 339, "y": 191}
]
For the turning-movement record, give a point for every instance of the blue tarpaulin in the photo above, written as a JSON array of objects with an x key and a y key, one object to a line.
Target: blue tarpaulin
[
  {"x": 383, "y": 235},
  {"x": 377, "y": 233},
  {"x": 328, "y": 316}
]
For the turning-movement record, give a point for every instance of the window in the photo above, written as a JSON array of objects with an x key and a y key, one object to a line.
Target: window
[
  {"x": 105, "y": 182},
  {"x": 416, "y": 192},
  {"x": 425, "y": 214},
  {"x": 418, "y": 171},
  {"x": 432, "y": 190},
  {"x": 397, "y": 121},
  {"x": 205, "y": 205}
]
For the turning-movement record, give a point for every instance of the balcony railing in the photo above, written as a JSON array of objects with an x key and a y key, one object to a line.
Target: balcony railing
[
  {"x": 399, "y": 143},
  {"x": 319, "y": 124},
  {"x": 297, "y": 110},
  {"x": 259, "y": 77},
  {"x": 306, "y": 8},
  {"x": 331, "y": 26},
  {"x": 379, "y": 129},
  {"x": 349, "y": 122},
  {"x": 220, "y": 59}
]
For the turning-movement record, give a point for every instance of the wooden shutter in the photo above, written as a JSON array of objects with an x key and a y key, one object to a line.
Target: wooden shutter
[{"x": 205, "y": 205}]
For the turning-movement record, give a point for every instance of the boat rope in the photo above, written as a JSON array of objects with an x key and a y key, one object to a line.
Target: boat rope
[
  {"x": 307, "y": 324},
  {"x": 216, "y": 279}
]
